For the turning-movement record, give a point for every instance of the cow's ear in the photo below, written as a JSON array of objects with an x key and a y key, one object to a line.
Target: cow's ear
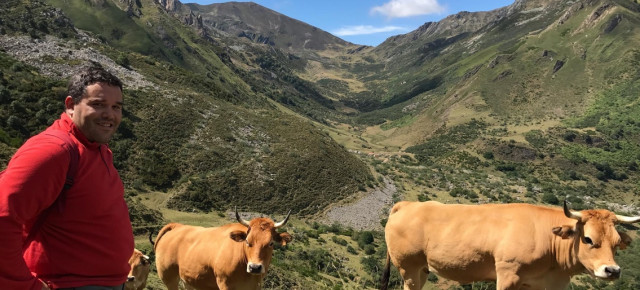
[
  {"x": 285, "y": 238},
  {"x": 238, "y": 236},
  {"x": 625, "y": 240},
  {"x": 564, "y": 231}
]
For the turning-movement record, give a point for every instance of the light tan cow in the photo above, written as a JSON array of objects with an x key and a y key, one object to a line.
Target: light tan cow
[
  {"x": 233, "y": 256},
  {"x": 140, "y": 267},
  {"x": 520, "y": 246}
]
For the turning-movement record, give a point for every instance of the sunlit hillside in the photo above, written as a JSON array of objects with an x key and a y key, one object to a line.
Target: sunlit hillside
[{"x": 535, "y": 102}]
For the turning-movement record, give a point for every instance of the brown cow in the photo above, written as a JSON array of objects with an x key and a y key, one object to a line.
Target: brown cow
[
  {"x": 140, "y": 267},
  {"x": 516, "y": 245},
  {"x": 233, "y": 256}
]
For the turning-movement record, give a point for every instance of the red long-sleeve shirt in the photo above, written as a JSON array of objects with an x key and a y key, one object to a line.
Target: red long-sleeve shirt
[{"x": 86, "y": 238}]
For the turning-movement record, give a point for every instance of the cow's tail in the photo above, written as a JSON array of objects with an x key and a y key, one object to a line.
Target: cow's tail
[
  {"x": 384, "y": 282},
  {"x": 161, "y": 233},
  {"x": 151, "y": 238}
]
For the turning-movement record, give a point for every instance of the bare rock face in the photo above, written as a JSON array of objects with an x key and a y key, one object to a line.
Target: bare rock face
[
  {"x": 570, "y": 12},
  {"x": 132, "y": 7},
  {"x": 613, "y": 23},
  {"x": 558, "y": 66},
  {"x": 170, "y": 5},
  {"x": 596, "y": 14}
]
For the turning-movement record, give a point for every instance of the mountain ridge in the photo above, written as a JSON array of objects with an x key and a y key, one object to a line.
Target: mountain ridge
[{"x": 538, "y": 105}]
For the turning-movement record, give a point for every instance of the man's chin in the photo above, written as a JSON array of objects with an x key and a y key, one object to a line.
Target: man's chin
[{"x": 102, "y": 139}]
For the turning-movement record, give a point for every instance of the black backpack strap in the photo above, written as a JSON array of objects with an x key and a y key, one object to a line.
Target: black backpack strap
[
  {"x": 74, "y": 155},
  {"x": 72, "y": 148}
]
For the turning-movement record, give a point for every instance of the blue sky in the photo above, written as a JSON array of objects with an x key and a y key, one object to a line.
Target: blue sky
[{"x": 370, "y": 22}]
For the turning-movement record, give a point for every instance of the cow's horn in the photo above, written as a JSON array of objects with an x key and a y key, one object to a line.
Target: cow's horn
[
  {"x": 240, "y": 220},
  {"x": 570, "y": 213},
  {"x": 627, "y": 219},
  {"x": 282, "y": 223}
]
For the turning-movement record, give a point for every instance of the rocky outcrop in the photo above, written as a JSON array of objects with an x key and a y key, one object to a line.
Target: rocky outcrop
[
  {"x": 613, "y": 23},
  {"x": 193, "y": 20},
  {"x": 53, "y": 57},
  {"x": 570, "y": 12},
  {"x": 502, "y": 58},
  {"x": 132, "y": 7},
  {"x": 503, "y": 75},
  {"x": 471, "y": 72},
  {"x": 596, "y": 14},
  {"x": 170, "y": 5},
  {"x": 559, "y": 64},
  {"x": 259, "y": 38}
]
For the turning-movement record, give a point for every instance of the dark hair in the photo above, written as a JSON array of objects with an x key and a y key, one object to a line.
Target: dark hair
[{"x": 89, "y": 75}]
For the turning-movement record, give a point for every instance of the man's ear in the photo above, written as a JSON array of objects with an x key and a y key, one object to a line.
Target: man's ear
[
  {"x": 238, "y": 236},
  {"x": 68, "y": 105},
  {"x": 564, "y": 231},
  {"x": 625, "y": 240}
]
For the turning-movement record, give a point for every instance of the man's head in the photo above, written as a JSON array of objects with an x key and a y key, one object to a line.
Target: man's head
[{"x": 94, "y": 103}]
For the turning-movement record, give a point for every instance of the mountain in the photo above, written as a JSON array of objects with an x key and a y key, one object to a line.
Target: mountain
[
  {"x": 234, "y": 104},
  {"x": 534, "y": 69},
  {"x": 193, "y": 126},
  {"x": 261, "y": 25}
]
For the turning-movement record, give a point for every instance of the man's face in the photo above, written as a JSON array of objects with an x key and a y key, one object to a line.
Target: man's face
[{"x": 98, "y": 113}]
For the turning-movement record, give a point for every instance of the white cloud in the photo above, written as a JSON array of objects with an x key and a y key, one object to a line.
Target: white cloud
[
  {"x": 364, "y": 29},
  {"x": 408, "y": 8}
]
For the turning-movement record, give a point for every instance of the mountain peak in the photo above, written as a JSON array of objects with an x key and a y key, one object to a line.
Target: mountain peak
[{"x": 262, "y": 25}]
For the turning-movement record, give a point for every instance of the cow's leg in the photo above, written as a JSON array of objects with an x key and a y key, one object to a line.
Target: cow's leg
[
  {"x": 187, "y": 286},
  {"x": 222, "y": 283},
  {"x": 169, "y": 276},
  {"x": 172, "y": 282},
  {"x": 556, "y": 282},
  {"x": 412, "y": 279},
  {"x": 507, "y": 276},
  {"x": 424, "y": 274}
]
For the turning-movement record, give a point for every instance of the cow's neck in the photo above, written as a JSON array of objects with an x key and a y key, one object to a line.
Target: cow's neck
[{"x": 565, "y": 252}]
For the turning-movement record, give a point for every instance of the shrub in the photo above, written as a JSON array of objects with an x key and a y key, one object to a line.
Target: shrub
[
  {"x": 365, "y": 238},
  {"x": 550, "y": 198}
]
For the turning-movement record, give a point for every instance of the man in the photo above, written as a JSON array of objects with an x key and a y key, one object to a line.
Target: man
[{"x": 83, "y": 238}]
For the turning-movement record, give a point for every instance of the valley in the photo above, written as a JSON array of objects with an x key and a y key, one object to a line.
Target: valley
[{"x": 536, "y": 102}]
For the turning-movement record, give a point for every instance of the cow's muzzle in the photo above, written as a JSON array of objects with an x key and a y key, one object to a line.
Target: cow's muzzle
[
  {"x": 255, "y": 268},
  {"x": 131, "y": 278},
  {"x": 612, "y": 272},
  {"x": 608, "y": 272}
]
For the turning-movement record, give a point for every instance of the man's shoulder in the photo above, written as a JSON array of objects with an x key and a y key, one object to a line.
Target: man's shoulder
[
  {"x": 51, "y": 141},
  {"x": 53, "y": 136}
]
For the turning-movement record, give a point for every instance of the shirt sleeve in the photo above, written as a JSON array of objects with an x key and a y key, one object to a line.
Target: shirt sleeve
[{"x": 31, "y": 182}]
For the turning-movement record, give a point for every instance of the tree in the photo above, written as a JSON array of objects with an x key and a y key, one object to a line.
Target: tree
[{"x": 550, "y": 198}]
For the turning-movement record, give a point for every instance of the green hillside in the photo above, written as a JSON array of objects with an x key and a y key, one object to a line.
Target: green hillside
[
  {"x": 536, "y": 102},
  {"x": 200, "y": 134}
]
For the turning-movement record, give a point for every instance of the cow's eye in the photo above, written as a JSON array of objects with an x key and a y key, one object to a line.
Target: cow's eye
[
  {"x": 272, "y": 243},
  {"x": 588, "y": 240}
]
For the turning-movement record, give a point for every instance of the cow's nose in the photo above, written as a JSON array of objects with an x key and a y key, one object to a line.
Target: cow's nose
[
  {"x": 612, "y": 271},
  {"x": 130, "y": 278},
  {"x": 255, "y": 268}
]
